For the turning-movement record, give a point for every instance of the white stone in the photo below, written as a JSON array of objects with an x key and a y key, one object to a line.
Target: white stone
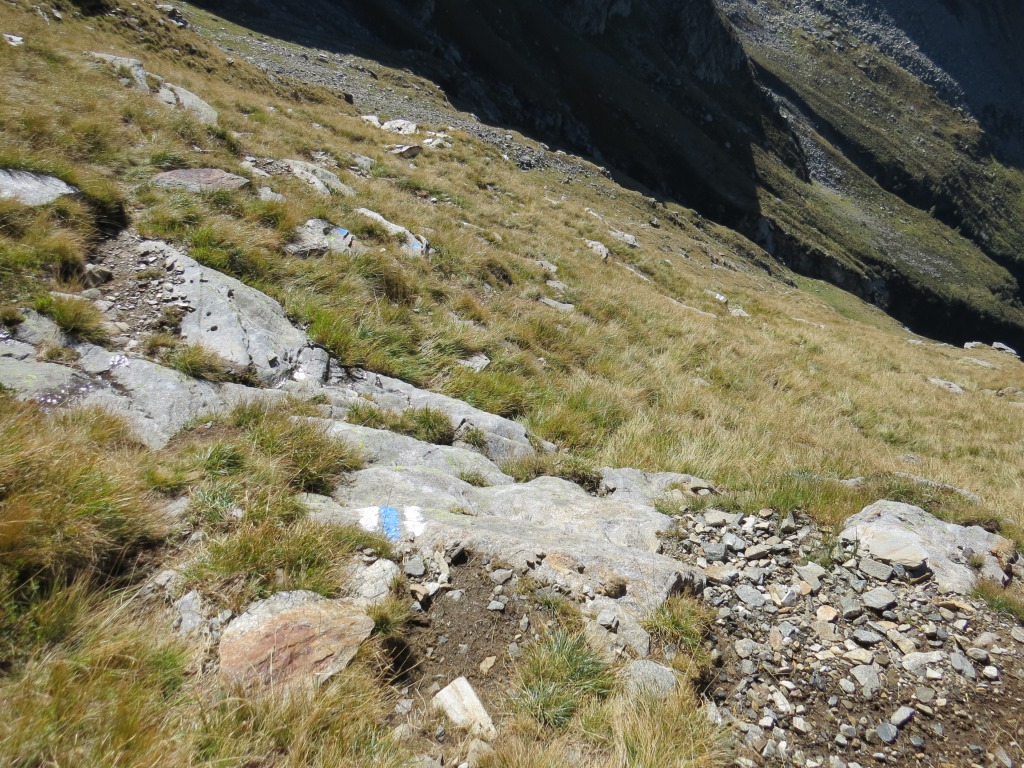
[{"x": 460, "y": 704}]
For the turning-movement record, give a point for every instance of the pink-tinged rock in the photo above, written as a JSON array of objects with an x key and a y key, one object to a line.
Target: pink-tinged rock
[
  {"x": 293, "y": 638},
  {"x": 200, "y": 180}
]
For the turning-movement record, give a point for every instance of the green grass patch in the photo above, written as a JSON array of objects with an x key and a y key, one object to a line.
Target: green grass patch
[
  {"x": 1009, "y": 602},
  {"x": 559, "y": 674}
]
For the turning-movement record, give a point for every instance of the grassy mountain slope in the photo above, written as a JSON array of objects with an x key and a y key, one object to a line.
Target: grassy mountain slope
[{"x": 651, "y": 370}]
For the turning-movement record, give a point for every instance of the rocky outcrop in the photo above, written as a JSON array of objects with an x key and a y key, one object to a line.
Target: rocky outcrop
[{"x": 905, "y": 535}]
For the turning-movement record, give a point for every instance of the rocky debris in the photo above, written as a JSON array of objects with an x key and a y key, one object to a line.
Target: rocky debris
[
  {"x": 319, "y": 237},
  {"x": 460, "y": 704},
  {"x": 845, "y": 661},
  {"x": 956, "y": 389},
  {"x": 908, "y": 537},
  {"x": 200, "y": 180},
  {"x": 412, "y": 245},
  {"x": 372, "y": 583},
  {"x": 293, "y": 638},
  {"x": 32, "y": 188}
]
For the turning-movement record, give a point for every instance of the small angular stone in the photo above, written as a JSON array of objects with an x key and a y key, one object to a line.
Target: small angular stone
[
  {"x": 887, "y": 732},
  {"x": 880, "y": 599},
  {"x": 902, "y": 716}
]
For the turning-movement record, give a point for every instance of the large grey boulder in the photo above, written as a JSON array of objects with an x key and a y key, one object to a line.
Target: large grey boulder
[
  {"x": 32, "y": 188},
  {"x": 908, "y": 536},
  {"x": 239, "y": 323},
  {"x": 176, "y": 96}
]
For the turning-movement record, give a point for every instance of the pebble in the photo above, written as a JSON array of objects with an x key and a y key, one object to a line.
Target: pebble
[
  {"x": 879, "y": 599},
  {"x": 887, "y": 732}
]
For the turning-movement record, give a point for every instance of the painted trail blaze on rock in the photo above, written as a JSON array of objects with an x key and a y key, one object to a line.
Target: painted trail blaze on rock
[{"x": 392, "y": 522}]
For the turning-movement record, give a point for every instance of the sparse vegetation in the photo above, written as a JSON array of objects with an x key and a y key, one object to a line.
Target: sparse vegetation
[
  {"x": 426, "y": 424},
  {"x": 682, "y": 623},
  {"x": 10, "y": 317},
  {"x": 197, "y": 361},
  {"x": 78, "y": 318},
  {"x": 815, "y": 388},
  {"x": 1008, "y": 601}
]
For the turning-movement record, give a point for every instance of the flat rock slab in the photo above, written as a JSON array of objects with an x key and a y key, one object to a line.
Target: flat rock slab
[
  {"x": 46, "y": 383},
  {"x": 157, "y": 401},
  {"x": 503, "y": 438},
  {"x": 906, "y": 535},
  {"x": 176, "y": 96},
  {"x": 200, "y": 180},
  {"x": 391, "y": 449},
  {"x": 293, "y": 638},
  {"x": 32, "y": 188},
  {"x": 561, "y": 535}
]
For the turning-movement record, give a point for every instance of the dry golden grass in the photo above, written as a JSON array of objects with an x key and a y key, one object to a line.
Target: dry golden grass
[{"x": 813, "y": 387}]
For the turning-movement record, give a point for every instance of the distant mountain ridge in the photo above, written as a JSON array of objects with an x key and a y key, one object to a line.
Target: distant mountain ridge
[{"x": 871, "y": 144}]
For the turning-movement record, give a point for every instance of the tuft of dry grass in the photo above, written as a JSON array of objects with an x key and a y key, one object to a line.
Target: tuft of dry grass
[
  {"x": 199, "y": 362},
  {"x": 78, "y": 318},
  {"x": 71, "y": 511},
  {"x": 426, "y": 424}
]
